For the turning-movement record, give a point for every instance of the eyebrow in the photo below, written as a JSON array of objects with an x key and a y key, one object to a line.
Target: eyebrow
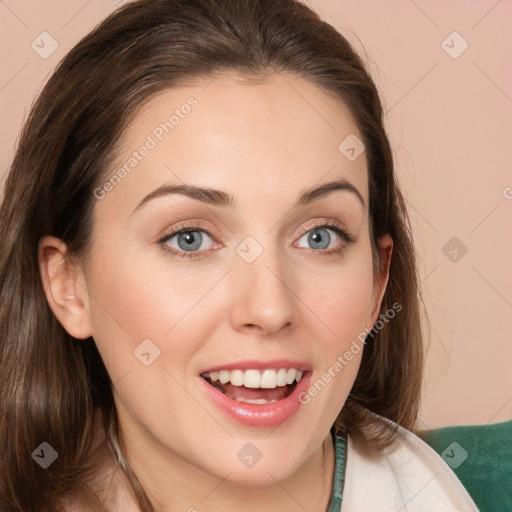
[{"x": 220, "y": 198}]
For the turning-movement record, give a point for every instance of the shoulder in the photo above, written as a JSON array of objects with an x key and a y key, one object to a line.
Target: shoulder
[{"x": 409, "y": 475}]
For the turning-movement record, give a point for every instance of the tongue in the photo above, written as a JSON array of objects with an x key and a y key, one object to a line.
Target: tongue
[{"x": 277, "y": 393}]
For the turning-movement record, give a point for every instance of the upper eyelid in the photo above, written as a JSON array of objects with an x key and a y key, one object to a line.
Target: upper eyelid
[
  {"x": 183, "y": 228},
  {"x": 327, "y": 224}
]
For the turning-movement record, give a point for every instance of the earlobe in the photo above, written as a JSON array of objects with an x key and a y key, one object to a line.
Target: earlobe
[
  {"x": 67, "y": 298},
  {"x": 385, "y": 245}
]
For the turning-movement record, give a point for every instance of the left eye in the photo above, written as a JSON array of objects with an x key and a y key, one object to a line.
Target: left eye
[{"x": 319, "y": 237}]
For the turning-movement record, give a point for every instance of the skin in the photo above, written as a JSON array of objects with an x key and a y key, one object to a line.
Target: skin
[{"x": 264, "y": 142}]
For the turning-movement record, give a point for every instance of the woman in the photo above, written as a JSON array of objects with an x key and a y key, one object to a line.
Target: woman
[{"x": 209, "y": 290}]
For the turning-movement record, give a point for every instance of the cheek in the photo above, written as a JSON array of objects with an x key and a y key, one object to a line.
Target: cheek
[
  {"x": 342, "y": 296},
  {"x": 133, "y": 301}
]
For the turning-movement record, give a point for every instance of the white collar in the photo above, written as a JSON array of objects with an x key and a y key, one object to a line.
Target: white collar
[{"x": 408, "y": 477}]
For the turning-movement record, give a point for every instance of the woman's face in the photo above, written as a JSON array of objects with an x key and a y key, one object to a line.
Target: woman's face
[{"x": 256, "y": 290}]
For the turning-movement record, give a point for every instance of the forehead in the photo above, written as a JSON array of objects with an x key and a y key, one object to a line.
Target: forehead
[{"x": 280, "y": 133}]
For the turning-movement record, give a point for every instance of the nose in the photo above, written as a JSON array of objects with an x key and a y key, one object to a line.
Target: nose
[{"x": 264, "y": 301}]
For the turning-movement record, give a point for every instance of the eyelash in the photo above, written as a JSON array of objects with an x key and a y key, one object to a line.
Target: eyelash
[{"x": 332, "y": 225}]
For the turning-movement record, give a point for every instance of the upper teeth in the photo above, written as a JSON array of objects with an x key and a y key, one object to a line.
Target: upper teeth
[{"x": 255, "y": 379}]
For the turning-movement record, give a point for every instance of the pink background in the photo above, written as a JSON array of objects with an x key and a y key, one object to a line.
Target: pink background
[{"x": 449, "y": 121}]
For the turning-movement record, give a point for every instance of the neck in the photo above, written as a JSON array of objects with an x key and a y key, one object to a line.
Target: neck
[{"x": 174, "y": 485}]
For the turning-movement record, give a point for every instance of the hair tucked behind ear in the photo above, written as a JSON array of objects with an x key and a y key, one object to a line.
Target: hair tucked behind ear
[{"x": 54, "y": 388}]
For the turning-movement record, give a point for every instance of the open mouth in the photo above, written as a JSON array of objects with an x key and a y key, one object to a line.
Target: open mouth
[{"x": 254, "y": 386}]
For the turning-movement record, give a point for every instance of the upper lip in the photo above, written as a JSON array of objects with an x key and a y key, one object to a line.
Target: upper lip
[{"x": 252, "y": 364}]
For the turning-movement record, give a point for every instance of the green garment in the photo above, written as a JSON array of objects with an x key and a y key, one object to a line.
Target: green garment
[
  {"x": 481, "y": 457},
  {"x": 340, "y": 457}
]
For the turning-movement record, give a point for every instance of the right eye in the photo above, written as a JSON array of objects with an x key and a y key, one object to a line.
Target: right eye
[{"x": 186, "y": 239}]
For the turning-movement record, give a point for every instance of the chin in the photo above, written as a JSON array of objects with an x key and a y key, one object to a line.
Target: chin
[{"x": 259, "y": 462}]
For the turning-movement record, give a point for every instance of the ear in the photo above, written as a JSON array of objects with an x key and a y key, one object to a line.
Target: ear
[
  {"x": 385, "y": 248},
  {"x": 66, "y": 295}
]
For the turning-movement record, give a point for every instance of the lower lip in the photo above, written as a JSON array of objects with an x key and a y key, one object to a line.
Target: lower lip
[{"x": 254, "y": 415}]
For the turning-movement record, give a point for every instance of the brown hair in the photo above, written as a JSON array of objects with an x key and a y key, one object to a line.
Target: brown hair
[{"x": 55, "y": 388}]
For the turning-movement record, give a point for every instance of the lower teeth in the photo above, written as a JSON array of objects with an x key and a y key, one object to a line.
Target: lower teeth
[{"x": 259, "y": 401}]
